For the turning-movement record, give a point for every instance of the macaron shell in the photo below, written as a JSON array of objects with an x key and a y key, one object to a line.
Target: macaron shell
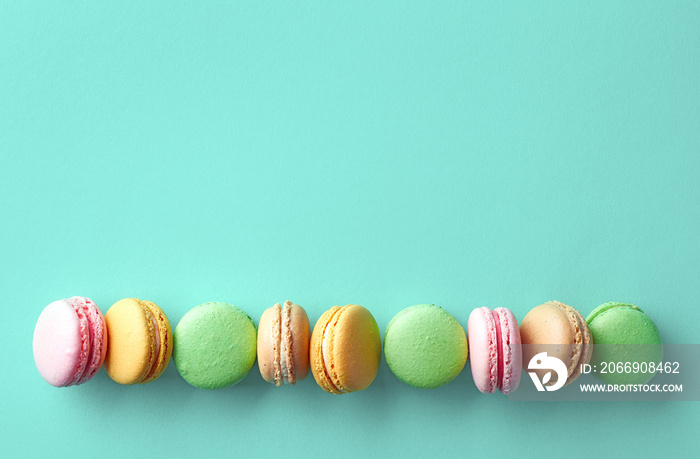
[
  {"x": 215, "y": 345},
  {"x": 97, "y": 335},
  {"x": 552, "y": 327},
  {"x": 131, "y": 351},
  {"x": 266, "y": 343},
  {"x": 511, "y": 349},
  {"x": 59, "y": 344},
  {"x": 622, "y": 332},
  {"x": 165, "y": 337},
  {"x": 299, "y": 331},
  {"x": 425, "y": 346},
  {"x": 483, "y": 350},
  {"x": 609, "y": 306},
  {"x": 621, "y": 323},
  {"x": 316, "y": 360},
  {"x": 354, "y": 349}
]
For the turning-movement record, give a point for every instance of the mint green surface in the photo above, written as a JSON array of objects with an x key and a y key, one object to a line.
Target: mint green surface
[
  {"x": 377, "y": 153},
  {"x": 614, "y": 327},
  {"x": 425, "y": 346},
  {"x": 214, "y": 345}
]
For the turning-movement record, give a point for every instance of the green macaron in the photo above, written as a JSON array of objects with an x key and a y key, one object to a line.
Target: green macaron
[
  {"x": 626, "y": 341},
  {"x": 425, "y": 346},
  {"x": 214, "y": 345}
]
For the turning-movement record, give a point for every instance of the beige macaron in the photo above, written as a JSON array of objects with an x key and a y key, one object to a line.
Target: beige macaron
[
  {"x": 283, "y": 344},
  {"x": 559, "y": 330}
]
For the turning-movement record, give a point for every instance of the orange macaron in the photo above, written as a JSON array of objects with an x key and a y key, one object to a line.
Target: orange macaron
[{"x": 345, "y": 349}]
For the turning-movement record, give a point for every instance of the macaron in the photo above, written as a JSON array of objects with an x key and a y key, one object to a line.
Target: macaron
[
  {"x": 496, "y": 352},
  {"x": 560, "y": 331},
  {"x": 140, "y": 341},
  {"x": 345, "y": 349},
  {"x": 283, "y": 344},
  {"x": 214, "y": 345},
  {"x": 70, "y": 341},
  {"x": 624, "y": 334},
  {"x": 425, "y": 346}
]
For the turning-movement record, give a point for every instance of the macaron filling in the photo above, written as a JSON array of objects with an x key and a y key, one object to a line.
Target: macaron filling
[
  {"x": 286, "y": 358},
  {"x": 284, "y": 369},
  {"x": 155, "y": 326},
  {"x": 326, "y": 354},
  {"x": 499, "y": 348},
  {"x": 325, "y": 351},
  {"x": 276, "y": 331},
  {"x": 505, "y": 354},
  {"x": 85, "y": 338},
  {"x": 154, "y": 366}
]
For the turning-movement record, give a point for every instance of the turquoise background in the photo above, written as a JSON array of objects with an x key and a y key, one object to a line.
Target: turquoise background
[{"x": 498, "y": 154}]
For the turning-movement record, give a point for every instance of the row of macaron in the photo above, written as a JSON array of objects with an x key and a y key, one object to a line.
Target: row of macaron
[{"x": 215, "y": 344}]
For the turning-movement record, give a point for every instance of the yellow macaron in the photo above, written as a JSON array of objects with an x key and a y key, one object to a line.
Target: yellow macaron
[{"x": 140, "y": 341}]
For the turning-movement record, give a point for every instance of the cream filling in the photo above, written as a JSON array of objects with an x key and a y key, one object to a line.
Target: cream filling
[
  {"x": 155, "y": 328},
  {"x": 324, "y": 350},
  {"x": 275, "y": 337},
  {"x": 283, "y": 360}
]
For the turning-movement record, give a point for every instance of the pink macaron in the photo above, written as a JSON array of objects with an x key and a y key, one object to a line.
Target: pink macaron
[
  {"x": 495, "y": 351},
  {"x": 70, "y": 341}
]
